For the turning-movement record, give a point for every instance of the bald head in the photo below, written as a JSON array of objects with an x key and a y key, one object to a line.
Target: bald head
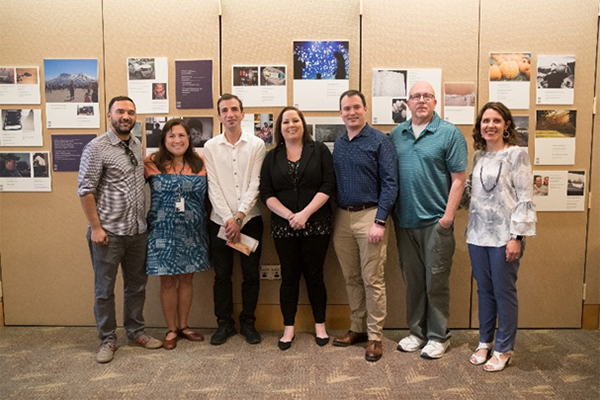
[{"x": 421, "y": 102}]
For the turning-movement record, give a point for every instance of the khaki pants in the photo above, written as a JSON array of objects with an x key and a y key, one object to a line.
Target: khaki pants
[{"x": 363, "y": 268}]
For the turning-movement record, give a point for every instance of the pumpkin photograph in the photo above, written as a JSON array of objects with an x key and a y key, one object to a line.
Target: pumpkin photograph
[{"x": 510, "y": 67}]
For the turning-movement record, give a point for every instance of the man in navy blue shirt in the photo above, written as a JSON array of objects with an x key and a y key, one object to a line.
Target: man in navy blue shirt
[{"x": 366, "y": 171}]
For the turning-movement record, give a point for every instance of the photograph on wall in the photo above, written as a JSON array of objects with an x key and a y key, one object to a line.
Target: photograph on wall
[
  {"x": 67, "y": 150},
  {"x": 261, "y": 125},
  {"x": 325, "y": 129},
  {"x": 201, "y": 129},
  {"x": 555, "y": 137},
  {"x": 555, "y": 80},
  {"x": 153, "y": 130},
  {"x": 509, "y": 79},
  {"x": 260, "y": 85},
  {"x": 522, "y": 127},
  {"x": 25, "y": 172},
  {"x": 19, "y": 85},
  {"x": 321, "y": 74},
  {"x": 389, "y": 96},
  {"x": 559, "y": 190},
  {"x": 21, "y": 127},
  {"x": 390, "y": 93},
  {"x": 459, "y": 103},
  {"x": 147, "y": 84},
  {"x": 71, "y": 88},
  {"x": 193, "y": 84}
]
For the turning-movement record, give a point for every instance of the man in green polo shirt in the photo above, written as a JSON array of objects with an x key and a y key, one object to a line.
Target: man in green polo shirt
[{"x": 432, "y": 159}]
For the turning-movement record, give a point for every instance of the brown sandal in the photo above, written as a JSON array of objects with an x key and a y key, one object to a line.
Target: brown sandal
[
  {"x": 192, "y": 336},
  {"x": 170, "y": 344}
]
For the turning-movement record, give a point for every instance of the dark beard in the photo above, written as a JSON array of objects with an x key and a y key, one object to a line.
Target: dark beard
[{"x": 119, "y": 131}]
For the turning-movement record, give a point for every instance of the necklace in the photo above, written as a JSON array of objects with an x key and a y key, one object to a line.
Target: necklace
[{"x": 495, "y": 182}]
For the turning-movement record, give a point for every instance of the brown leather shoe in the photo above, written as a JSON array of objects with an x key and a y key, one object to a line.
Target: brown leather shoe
[
  {"x": 374, "y": 350},
  {"x": 170, "y": 344},
  {"x": 350, "y": 338},
  {"x": 191, "y": 336}
]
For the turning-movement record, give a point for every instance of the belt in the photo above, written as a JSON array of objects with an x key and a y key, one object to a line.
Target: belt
[{"x": 359, "y": 207}]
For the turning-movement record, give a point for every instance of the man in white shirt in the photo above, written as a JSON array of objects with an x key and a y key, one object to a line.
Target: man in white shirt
[{"x": 233, "y": 162}]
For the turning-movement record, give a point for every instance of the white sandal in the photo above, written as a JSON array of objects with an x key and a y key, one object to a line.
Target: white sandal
[
  {"x": 478, "y": 360},
  {"x": 491, "y": 367}
]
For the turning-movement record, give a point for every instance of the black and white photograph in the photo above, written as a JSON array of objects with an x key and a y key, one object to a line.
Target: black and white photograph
[
  {"x": 154, "y": 127},
  {"x": 201, "y": 129},
  {"x": 328, "y": 132},
  {"x": 141, "y": 68},
  {"x": 40, "y": 165},
  {"x": 556, "y": 80},
  {"x": 575, "y": 183},
  {"x": 389, "y": 83}
]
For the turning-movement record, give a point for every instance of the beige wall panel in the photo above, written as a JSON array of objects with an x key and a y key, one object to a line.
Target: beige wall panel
[
  {"x": 178, "y": 30},
  {"x": 551, "y": 274},
  {"x": 426, "y": 34},
  {"x": 592, "y": 265},
  {"x": 251, "y": 37},
  {"x": 46, "y": 275}
]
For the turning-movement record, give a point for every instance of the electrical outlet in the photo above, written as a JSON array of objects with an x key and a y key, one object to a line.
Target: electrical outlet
[{"x": 270, "y": 272}]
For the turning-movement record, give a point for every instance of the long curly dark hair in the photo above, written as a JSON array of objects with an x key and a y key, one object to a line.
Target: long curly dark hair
[
  {"x": 513, "y": 137},
  {"x": 163, "y": 158}
]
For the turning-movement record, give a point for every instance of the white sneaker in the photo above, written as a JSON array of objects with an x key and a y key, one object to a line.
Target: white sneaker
[
  {"x": 410, "y": 343},
  {"x": 434, "y": 350}
]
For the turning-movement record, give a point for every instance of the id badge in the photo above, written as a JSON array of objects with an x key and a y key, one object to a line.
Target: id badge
[{"x": 180, "y": 205}]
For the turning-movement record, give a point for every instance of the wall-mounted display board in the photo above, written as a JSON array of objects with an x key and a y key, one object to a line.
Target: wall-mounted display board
[{"x": 554, "y": 260}]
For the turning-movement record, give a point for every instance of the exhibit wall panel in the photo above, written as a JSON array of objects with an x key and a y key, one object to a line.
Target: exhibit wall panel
[
  {"x": 177, "y": 30},
  {"x": 424, "y": 35},
  {"x": 253, "y": 37},
  {"x": 592, "y": 264},
  {"x": 46, "y": 273},
  {"x": 551, "y": 272}
]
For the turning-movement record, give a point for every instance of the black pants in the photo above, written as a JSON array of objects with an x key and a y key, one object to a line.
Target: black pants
[
  {"x": 222, "y": 261},
  {"x": 302, "y": 256}
]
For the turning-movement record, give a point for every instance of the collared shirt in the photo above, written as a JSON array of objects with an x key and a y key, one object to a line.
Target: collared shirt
[
  {"x": 233, "y": 176},
  {"x": 106, "y": 171},
  {"x": 424, "y": 167},
  {"x": 366, "y": 170}
]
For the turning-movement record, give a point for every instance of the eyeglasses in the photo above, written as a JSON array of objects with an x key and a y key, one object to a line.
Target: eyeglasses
[
  {"x": 132, "y": 158},
  {"x": 425, "y": 96}
]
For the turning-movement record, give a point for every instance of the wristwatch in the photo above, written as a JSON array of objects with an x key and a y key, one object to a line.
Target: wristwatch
[
  {"x": 517, "y": 237},
  {"x": 238, "y": 220},
  {"x": 379, "y": 222}
]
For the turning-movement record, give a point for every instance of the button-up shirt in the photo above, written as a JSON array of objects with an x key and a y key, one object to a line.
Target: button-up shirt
[
  {"x": 233, "y": 176},
  {"x": 366, "y": 170},
  {"x": 106, "y": 171}
]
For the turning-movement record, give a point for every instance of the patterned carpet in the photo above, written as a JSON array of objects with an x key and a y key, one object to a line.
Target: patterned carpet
[{"x": 58, "y": 363}]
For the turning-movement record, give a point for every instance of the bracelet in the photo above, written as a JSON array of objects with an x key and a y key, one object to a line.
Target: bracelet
[{"x": 380, "y": 222}]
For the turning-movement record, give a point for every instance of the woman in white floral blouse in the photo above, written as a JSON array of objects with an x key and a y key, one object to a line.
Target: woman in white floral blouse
[{"x": 500, "y": 216}]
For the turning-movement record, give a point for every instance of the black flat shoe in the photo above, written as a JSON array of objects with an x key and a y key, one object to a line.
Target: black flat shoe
[
  {"x": 321, "y": 341},
  {"x": 285, "y": 345}
]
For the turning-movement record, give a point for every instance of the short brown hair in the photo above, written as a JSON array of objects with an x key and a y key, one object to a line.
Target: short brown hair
[{"x": 228, "y": 96}]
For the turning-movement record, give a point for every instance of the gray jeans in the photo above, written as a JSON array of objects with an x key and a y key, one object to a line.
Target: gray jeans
[
  {"x": 130, "y": 252},
  {"x": 426, "y": 259}
]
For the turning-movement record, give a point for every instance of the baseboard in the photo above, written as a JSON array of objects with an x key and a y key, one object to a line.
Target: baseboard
[
  {"x": 591, "y": 316},
  {"x": 1, "y": 313},
  {"x": 268, "y": 317}
]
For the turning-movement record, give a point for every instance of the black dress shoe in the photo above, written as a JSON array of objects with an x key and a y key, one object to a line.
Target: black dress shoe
[
  {"x": 321, "y": 341},
  {"x": 250, "y": 332},
  {"x": 224, "y": 331},
  {"x": 285, "y": 345}
]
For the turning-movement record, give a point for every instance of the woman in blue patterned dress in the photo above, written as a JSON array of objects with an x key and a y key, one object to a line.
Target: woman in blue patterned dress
[
  {"x": 177, "y": 235},
  {"x": 501, "y": 215}
]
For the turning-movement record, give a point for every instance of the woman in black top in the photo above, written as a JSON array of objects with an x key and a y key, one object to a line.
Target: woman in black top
[{"x": 296, "y": 181}]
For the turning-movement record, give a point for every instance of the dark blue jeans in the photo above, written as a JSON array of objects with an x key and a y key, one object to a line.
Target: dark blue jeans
[
  {"x": 497, "y": 294},
  {"x": 222, "y": 261},
  {"x": 130, "y": 252}
]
